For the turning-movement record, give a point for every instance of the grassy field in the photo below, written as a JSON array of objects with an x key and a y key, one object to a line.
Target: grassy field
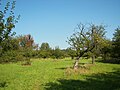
[{"x": 58, "y": 75}]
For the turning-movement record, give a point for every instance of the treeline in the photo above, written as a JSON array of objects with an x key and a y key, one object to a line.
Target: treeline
[{"x": 22, "y": 48}]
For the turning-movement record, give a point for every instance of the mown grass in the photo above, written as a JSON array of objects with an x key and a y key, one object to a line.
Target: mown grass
[{"x": 57, "y": 75}]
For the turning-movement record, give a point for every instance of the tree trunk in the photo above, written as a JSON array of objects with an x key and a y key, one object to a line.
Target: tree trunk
[
  {"x": 75, "y": 67},
  {"x": 93, "y": 59},
  {"x": 105, "y": 56}
]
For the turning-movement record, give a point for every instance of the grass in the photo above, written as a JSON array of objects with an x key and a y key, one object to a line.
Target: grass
[{"x": 58, "y": 75}]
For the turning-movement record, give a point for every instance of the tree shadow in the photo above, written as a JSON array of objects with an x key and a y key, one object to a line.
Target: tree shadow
[
  {"x": 110, "y": 61},
  {"x": 63, "y": 68},
  {"x": 3, "y": 84},
  {"x": 108, "y": 81},
  {"x": 80, "y": 64}
]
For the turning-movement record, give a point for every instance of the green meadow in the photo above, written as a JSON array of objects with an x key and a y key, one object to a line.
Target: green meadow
[{"x": 49, "y": 74}]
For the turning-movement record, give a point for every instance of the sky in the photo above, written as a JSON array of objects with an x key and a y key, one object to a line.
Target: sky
[{"x": 53, "y": 21}]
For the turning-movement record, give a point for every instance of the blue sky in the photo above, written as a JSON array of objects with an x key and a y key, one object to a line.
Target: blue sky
[{"x": 53, "y": 21}]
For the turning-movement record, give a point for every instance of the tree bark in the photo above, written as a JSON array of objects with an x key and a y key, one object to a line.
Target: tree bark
[
  {"x": 93, "y": 59},
  {"x": 76, "y": 64}
]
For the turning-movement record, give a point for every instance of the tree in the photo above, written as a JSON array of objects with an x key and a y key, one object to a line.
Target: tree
[
  {"x": 98, "y": 39},
  {"x": 116, "y": 43},
  {"x": 106, "y": 50},
  {"x": 45, "y": 47},
  {"x": 85, "y": 40},
  {"x": 7, "y": 21},
  {"x": 26, "y": 41},
  {"x": 45, "y": 50},
  {"x": 10, "y": 50},
  {"x": 8, "y": 43},
  {"x": 27, "y": 44}
]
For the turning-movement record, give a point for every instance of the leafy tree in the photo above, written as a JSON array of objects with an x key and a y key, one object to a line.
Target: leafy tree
[
  {"x": 8, "y": 44},
  {"x": 116, "y": 43},
  {"x": 45, "y": 50},
  {"x": 106, "y": 50},
  {"x": 10, "y": 51},
  {"x": 27, "y": 46},
  {"x": 26, "y": 41},
  {"x": 7, "y": 21},
  {"x": 98, "y": 39},
  {"x": 45, "y": 47},
  {"x": 85, "y": 40}
]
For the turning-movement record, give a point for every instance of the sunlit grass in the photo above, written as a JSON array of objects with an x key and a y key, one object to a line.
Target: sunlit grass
[{"x": 15, "y": 76}]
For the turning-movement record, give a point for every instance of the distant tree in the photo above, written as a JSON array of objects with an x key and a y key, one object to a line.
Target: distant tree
[
  {"x": 26, "y": 41},
  {"x": 57, "y": 53},
  {"x": 71, "y": 52},
  {"x": 45, "y": 50},
  {"x": 65, "y": 53},
  {"x": 45, "y": 47},
  {"x": 85, "y": 40},
  {"x": 27, "y": 45}
]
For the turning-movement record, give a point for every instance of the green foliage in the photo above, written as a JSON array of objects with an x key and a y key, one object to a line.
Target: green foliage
[
  {"x": 57, "y": 53},
  {"x": 8, "y": 44},
  {"x": 107, "y": 50},
  {"x": 71, "y": 52},
  {"x": 11, "y": 56},
  {"x": 45, "y": 51},
  {"x": 45, "y": 47},
  {"x": 7, "y": 21},
  {"x": 44, "y": 54},
  {"x": 12, "y": 51},
  {"x": 116, "y": 44},
  {"x": 88, "y": 39}
]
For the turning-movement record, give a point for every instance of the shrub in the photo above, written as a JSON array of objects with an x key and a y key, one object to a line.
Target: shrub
[{"x": 11, "y": 56}]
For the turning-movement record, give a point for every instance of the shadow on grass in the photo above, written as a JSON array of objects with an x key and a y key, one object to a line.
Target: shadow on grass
[
  {"x": 111, "y": 61},
  {"x": 80, "y": 64},
  {"x": 3, "y": 84},
  {"x": 108, "y": 81},
  {"x": 63, "y": 68}
]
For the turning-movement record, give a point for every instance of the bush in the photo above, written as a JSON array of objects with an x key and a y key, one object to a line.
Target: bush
[
  {"x": 11, "y": 56},
  {"x": 26, "y": 62}
]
